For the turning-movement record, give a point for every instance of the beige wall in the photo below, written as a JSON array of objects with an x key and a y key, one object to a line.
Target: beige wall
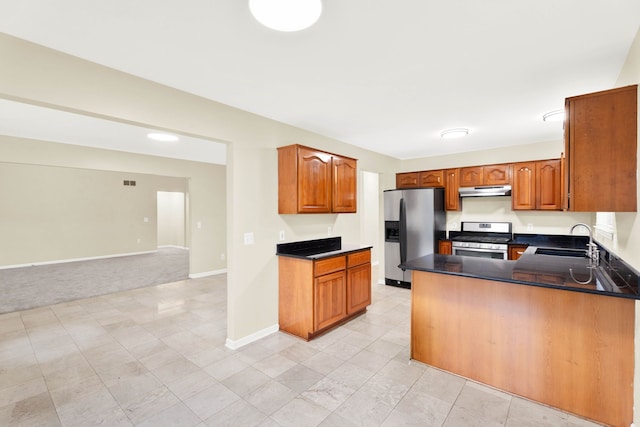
[
  {"x": 52, "y": 213},
  {"x": 499, "y": 208},
  {"x": 94, "y": 167},
  {"x": 42, "y": 76},
  {"x": 626, "y": 241}
]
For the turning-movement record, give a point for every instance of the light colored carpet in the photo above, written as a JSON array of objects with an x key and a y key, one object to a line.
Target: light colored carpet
[{"x": 37, "y": 286}]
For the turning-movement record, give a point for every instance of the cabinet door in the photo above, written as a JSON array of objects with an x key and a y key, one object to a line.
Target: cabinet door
[
  {"x": 444, "y": 247},
  {"x": 329, "y": 299},
  {"x": 358, "y": 287},
  {"x": 523, "y": 192},
  {"x": 497, "y": 174},
  {"x": 432, "y": 178},
  {"x": 601, "y": 132},
  {"x": 451, "y": 192},
  {"x": 472, "y": 176},
  {"x": 408, "y": 180},
  {"x": 314, "y": 181},
  {"x": 516, "y": 251},
  {"x": 548, "y": 191},
  {"x": 344, "y": 185}
]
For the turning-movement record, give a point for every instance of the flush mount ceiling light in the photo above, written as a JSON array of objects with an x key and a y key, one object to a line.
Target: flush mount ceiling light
[
  {"x": 162, "y": 137},
  {"x": 454, "y": 133},
  {"x": 553, "y": 116},
  {"x": 286, "y": 15}
]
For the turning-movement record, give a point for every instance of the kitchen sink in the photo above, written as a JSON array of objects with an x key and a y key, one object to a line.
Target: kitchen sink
[{"x": 576, "y": 253}]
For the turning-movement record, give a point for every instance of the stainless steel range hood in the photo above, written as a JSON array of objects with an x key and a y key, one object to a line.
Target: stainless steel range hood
[{"x": 485, "y": 191}]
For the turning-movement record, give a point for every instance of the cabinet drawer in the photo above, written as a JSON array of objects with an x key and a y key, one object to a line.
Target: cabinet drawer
[
  {"x": 329, "y": 265},
  {"x": 358, "y": 258}
]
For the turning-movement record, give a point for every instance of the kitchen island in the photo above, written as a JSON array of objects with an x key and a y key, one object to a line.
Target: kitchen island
[{"x": 531, "y": 327}]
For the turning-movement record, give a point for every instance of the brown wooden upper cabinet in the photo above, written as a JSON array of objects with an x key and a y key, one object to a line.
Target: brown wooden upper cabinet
[
  {"x": 451, "y": 193},
  {"x": 433, "y": 178},
  {"x": 422, "y": 179},
  {"x": 314, "y": 181},
  {"x": 485, "y": 175},
  {"x": 343, "y": 196},
  {"x": 601, "y": 133},
  {"x": 408, "y": 180},
  {"x": 537, "y": 185}
]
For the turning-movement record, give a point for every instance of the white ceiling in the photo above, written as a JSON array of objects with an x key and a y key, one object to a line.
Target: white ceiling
[
  {"x": 388, "y": 76},
  {"x": 34, "y": 122}
]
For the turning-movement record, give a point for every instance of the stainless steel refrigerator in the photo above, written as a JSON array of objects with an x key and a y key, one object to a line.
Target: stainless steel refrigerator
[{"x": 414, "y": 222}]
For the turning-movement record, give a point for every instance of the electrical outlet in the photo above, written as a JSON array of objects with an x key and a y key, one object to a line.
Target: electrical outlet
[
  {"x": 529, "y": 227},
  {"x": 281, "y": 235},
  {"x": 222, "y": 257}
]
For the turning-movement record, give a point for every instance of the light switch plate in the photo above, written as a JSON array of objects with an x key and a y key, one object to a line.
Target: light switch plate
[{"x": 248, "y": 238}]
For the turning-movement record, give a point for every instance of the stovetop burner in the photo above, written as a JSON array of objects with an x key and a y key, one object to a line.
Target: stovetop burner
[
  {"x": 483, "y": 232},
  {"x": 481, "y": 239}
]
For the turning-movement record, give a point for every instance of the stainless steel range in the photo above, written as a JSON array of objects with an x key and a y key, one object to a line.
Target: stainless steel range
[{"x": 482, "y": 239}]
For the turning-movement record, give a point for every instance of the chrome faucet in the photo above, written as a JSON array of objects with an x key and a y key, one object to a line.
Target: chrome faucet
[{"x": 592, "y": 249}]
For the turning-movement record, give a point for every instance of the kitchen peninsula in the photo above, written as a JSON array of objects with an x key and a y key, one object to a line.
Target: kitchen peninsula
[{"x": 554, "y": 329}]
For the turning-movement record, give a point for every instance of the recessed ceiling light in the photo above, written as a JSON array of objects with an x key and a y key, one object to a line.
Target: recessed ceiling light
[
  {"x": 553, "y": 116},
  {"x": 454, "y": 133},
  {"x": 286, "y": 15},
  {"x": 162, "y": 137}
]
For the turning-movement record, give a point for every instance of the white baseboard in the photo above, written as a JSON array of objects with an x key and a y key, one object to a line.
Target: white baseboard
[
  {"x": 207, "y": 273},
  {"x": 174, "y": 246},
  {"x": 62, "y": 261},
  {"x": 234, "y": 345}
]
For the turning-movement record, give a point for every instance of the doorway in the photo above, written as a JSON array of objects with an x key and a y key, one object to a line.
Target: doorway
[
  {"x": 171, "y": 219},
  {"x": 370, "y": 208}
]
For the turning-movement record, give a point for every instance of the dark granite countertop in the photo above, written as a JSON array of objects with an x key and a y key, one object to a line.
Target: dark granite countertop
[
  {"x": 558, "y": 272},
  {"x": 317, "y": 248},
  {"x": 550, "y": 240}
]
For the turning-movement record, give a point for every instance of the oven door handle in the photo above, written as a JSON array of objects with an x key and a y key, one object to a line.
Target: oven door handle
[{"x": 403, "y": 232}]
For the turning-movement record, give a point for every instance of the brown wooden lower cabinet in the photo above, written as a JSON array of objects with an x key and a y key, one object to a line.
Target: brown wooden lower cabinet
[
  {"x": 516, "y": 251},
  {"x": 317, "y": 295},
  {"x": 570, "y": 350},
  {"x": 444, "y": 247},
  {"x": 329, "y": 299}
]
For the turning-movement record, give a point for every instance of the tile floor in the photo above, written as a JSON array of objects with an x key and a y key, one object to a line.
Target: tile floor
[{"x": 156, "y": 357}]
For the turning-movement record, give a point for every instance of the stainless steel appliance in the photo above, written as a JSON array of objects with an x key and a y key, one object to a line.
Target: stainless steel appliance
[
  {"x": 482, "y": 239},
  {"x": 485, "y": 191},
  {"x": 414, "y": 223}
]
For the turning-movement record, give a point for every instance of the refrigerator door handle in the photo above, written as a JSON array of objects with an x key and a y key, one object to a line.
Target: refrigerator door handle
[{"x": 403, "y": 232}]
